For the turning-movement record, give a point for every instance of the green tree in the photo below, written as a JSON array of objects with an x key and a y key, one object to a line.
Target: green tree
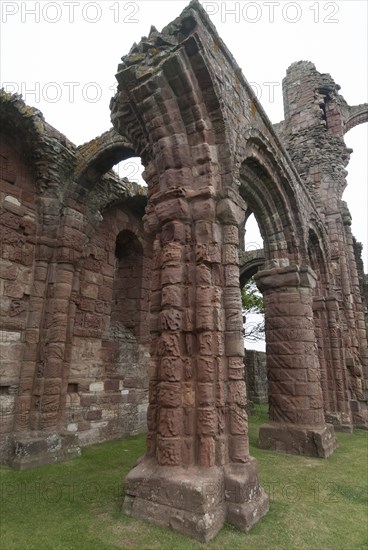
[{"x": 252, "y": 303}]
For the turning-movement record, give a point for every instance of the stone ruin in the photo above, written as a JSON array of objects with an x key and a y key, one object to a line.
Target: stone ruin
[{"x": 109, "y": 291}]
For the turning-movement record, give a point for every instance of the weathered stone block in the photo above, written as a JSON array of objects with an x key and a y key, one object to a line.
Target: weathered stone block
[{"x": 299, "y": 440}]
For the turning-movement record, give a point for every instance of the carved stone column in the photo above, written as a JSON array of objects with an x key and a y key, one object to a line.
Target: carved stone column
[
  {"x": 197, "y": 472},
  {"x": 297, "y": 423}
]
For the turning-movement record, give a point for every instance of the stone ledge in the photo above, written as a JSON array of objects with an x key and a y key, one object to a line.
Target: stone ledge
[
  {"x": 319, "y": 441},
  {"x": 359, "y": 411},
  {"x": 200, "y": 526},
  {"x": 33, "y": 451}
]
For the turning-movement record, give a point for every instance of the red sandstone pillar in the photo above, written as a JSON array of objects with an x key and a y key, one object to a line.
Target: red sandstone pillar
[
  {"x": 197, "y": 472},
  {"x": 297, "y": 423}
]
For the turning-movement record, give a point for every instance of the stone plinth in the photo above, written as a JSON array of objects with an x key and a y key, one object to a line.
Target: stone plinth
[
  {"x": 298, "y": 440},
  {"x": 340, "y": 421},
  {"x": 33, "y": 451},
  {"x": 195, "y": 501}
]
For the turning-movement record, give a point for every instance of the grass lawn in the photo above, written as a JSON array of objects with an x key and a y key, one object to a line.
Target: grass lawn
[{"x": 314, "y": 503}]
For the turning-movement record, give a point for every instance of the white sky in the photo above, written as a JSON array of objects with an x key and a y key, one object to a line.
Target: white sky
[{"x": 62, "y": 57}]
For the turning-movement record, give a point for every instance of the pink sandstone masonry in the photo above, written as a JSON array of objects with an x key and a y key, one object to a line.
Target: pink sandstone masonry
[
  {"x": 256, "y": 377},
  {"x": 120, "y": 307}
]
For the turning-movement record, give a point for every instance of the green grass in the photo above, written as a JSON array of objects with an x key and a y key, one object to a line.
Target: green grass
[{"x": 315, "y": 503}]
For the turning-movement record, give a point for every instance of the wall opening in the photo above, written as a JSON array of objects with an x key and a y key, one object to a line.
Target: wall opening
[
  {"x": 131, "y": 169},
  {"x": 125, "y": 311},
  {"x": 252, "y": 259}
]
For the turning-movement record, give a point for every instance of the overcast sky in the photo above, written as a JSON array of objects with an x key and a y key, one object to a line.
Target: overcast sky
[{"x": 62, "y": 57}]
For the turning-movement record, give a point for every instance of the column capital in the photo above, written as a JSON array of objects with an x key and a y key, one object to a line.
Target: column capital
[{"x": 290, "y": 276}]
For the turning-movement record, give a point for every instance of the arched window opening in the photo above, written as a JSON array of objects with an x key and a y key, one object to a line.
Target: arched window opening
[
  {"x": 131, "y": 169},
  {"x": 252, "y": 236},
  {"x": 252, "y": 258},
  {"x": 266, "y": 198}
]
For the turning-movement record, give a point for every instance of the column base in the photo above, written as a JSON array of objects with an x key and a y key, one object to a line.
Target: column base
[
  {"x": 297, "y": 439},
  {"x": 340, "y": 421},
  {"x": 360, "y": 414},
  {"x": 360, "y": 422},
  {"x": 195, "y": 501},
  {"x": 247, "y": 501},
  {"x": 31, "y": 451}
]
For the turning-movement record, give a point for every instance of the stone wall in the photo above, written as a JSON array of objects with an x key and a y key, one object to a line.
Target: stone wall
[
  {"x": 19, "y": 226},
  {"x": 108, "y": 379},
  {"x": 74, "y": 282}
]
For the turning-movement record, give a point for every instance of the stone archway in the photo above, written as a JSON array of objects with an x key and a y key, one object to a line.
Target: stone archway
[
  {"x": 95, "y": 158},
  {"x": 297, "y": 423},
  {"x": 250, "y": 262},
  {"x": 211, "y": 154},
  {"x": 358, "y": 114},
  {"x": 62, "y": 196}
]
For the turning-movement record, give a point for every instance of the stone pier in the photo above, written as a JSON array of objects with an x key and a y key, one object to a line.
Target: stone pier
[{"x": 297, "y": 423}]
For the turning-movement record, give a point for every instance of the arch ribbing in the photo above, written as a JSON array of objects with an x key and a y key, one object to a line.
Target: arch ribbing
[
  {"x": 357, "y": 115},
  {"x": 98, "y": 156}
]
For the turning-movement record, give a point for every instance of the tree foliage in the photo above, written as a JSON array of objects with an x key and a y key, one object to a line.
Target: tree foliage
[
  {"x": 252, "y": 299},
  {"x": 252, "y": 304}
]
